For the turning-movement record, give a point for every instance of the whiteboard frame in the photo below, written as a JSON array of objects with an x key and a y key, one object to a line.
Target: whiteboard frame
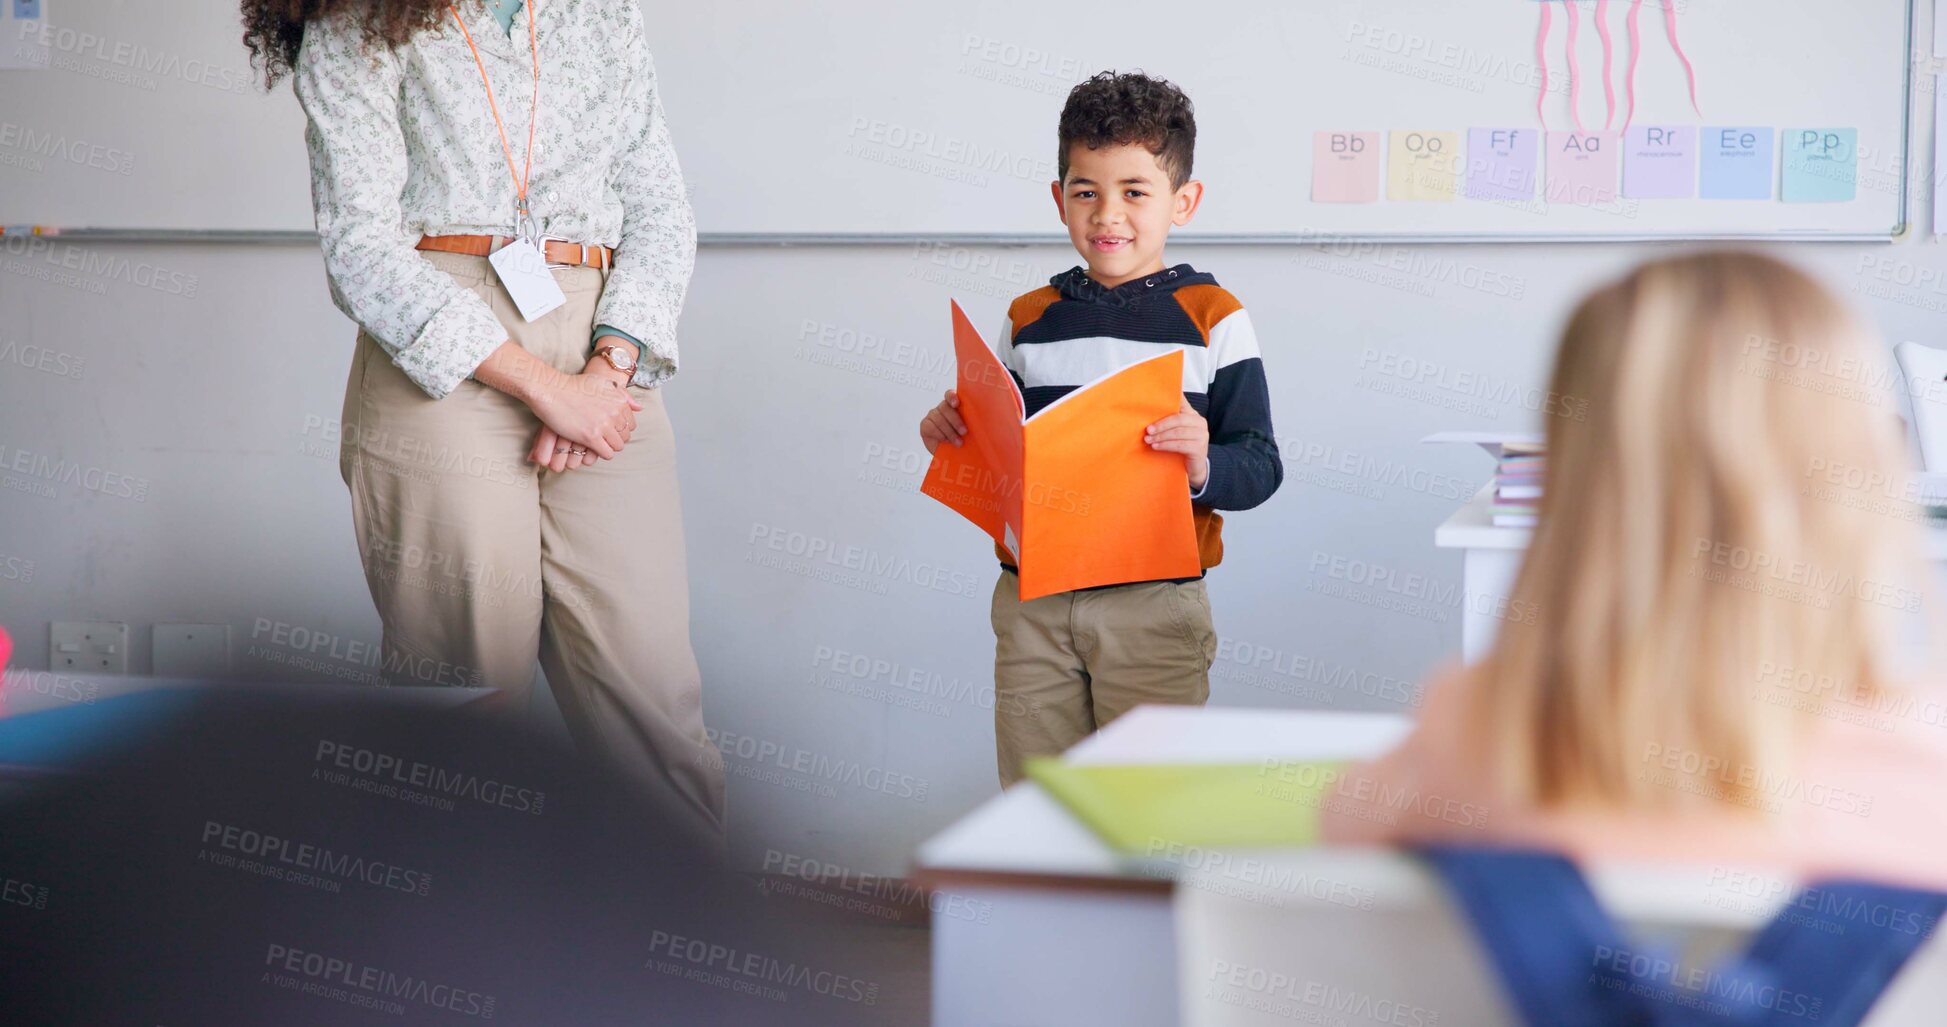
[{"x": 1901, "y": 228}]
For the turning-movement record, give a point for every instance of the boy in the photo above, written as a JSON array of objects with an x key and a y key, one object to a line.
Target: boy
[{"x": 1069, "y": 663}]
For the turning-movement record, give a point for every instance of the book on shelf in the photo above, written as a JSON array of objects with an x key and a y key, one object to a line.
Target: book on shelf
[
  {"x": 1515, "y": 513},
  {"x": 1520, "y": 461},
  {"x": 1517, "y": 484}
]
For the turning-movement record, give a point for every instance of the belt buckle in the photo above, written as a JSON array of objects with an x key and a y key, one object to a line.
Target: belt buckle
[{"x": 543, "y": 242}]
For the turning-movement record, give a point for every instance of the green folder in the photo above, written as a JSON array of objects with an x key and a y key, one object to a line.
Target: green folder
[{"x": 1154, "y": 809}]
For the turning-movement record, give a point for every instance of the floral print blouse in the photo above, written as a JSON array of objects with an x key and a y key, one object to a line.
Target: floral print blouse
[{"x": 403, "y": 144}]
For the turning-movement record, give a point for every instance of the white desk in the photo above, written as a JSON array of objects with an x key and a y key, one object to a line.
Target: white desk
[
  {"x": 1491, "y": 555},
  {"x": 1043, "y": 924}
]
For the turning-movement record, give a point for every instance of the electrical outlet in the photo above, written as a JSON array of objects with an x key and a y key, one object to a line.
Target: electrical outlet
[
  {"x": 88, "y": 647},
  {"x": 191, "y": 651}
]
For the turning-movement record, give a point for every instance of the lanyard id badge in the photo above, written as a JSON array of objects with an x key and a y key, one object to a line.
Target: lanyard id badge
[
  {"x": 522, "y": 264},
  {"x": 523, "y": 269}
]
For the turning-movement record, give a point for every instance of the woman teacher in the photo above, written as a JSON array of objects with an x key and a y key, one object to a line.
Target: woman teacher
[{"x": 502, "y": 214}]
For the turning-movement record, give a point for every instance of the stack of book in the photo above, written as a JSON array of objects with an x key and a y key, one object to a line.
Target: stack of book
[{"x": 1517, "y": 485}]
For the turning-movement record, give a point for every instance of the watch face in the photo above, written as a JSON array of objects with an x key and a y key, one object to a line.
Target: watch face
[{"x": 622, "y": 361}]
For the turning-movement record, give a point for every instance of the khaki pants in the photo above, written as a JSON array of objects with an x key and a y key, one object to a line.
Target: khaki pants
[
  {"x": 479, "y": 561},
  {"x": 1069, "y": 663}
]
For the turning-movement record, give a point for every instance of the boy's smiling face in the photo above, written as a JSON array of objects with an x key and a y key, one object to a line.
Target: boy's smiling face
[{"x": 1118, "y": 204}]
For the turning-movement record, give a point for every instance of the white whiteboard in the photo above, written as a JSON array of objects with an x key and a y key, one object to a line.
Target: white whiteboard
[
  {"x": 920, "y": 119},
  {"x": 145, "y": 117}
]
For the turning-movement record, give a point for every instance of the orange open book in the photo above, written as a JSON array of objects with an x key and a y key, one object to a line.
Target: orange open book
[{"x": 1072, "y": 492}]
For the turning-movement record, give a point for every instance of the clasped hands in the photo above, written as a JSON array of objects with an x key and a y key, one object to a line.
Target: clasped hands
[{"x": 583, "y": 416}]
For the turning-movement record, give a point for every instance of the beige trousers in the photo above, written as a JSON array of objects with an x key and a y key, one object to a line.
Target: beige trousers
[
  {"x": 1069, "y": 663},
  {"x": 479, "y": 561}
]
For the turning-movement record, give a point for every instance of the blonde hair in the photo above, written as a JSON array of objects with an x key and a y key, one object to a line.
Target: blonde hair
[{"x": 1694, "y": 564}]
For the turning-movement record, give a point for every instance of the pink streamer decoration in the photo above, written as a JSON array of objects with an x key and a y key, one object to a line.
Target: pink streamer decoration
[
  {"x": 1574, "y": 66},
  {"x": 1670, "y": 24},
  {"x": 1635, "y": 51},
  {"x": 1608, "y": 56},
  {"x": 1541, "y": 59}
]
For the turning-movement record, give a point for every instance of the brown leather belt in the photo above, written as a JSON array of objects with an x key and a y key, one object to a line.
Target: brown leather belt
[{"x": 558, "y": 252}]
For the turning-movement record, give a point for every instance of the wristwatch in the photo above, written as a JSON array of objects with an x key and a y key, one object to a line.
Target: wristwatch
[{"x": 620, "y": 357}]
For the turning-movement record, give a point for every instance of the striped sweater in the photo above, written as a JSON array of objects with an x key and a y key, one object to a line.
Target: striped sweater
[{"x": 1072, "y": 331}]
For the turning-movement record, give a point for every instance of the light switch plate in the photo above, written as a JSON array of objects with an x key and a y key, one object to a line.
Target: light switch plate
[
  {"x": 191, "y": 651},
  {"x": 88, "y": 647}
]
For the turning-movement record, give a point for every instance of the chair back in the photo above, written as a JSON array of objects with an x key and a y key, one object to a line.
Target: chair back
[{"x": 1373, "y": 936}]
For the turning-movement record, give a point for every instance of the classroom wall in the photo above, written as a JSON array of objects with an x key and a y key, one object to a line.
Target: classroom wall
[{"x": 167, "y": 453}]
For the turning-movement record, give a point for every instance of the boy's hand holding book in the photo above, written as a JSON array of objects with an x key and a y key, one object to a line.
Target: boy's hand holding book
[
  {"x": 1184, "y": 432},
  {"x": 943, "y": 423}
]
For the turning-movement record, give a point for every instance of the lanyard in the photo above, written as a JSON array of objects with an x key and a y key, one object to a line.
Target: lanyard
[{"x": 523, "y": 221}]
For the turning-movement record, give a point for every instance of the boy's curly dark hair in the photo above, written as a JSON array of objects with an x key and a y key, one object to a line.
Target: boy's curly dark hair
[
  {"x": 274, "y": 29},
  {"x": 1124, "y": 108}
]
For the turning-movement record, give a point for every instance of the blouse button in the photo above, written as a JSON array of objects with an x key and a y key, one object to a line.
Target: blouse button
[{"x": 553, "y": 196}]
